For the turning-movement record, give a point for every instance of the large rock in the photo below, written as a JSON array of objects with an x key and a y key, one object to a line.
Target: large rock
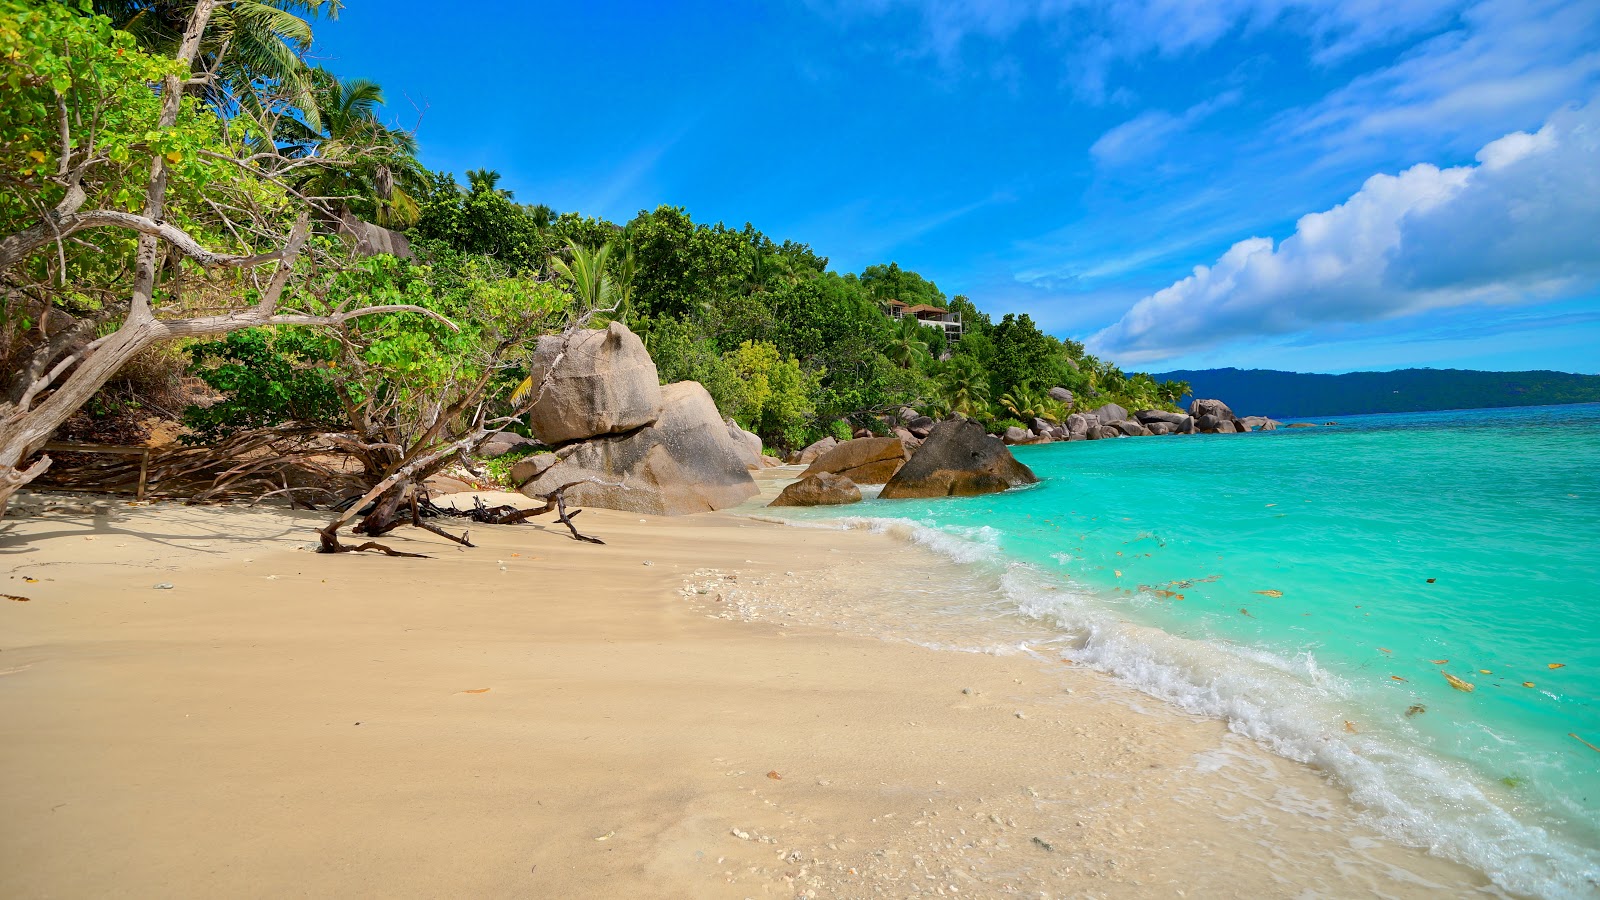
[
  {"x": 1101, "y": 432},
  {"x": 1081, "y": 423},
  {"x": 1162, "y": 427},
  {"x": 531, "y": 467},
  {"x": 746, "y": 444},
  {"x": 821, "y": 489},
  {"x": 1110, "y": 414},
  {"x": 872, "y": 460},
  {"x": 1016, "y": 435},
  {"x": 920, "y": 426},
  {"x": 684, "y": 463},
  {"x": 1146, "y": 416},
  {"x": 501, "y": 444},
  {"x": 1131, "y": 428},
  {"x": 1061, "y": 394},
  {"x": 1187, "y": 426},
  {"x": 373, "y": 240},
  {"x": 1040, "y": 426},
  {"x": 809, "y": 454},
  {"x": 911, "y": 441},
  {"x": 1251, "y": 423},
  {"x": 1201, "y": 408},
  {"x": 604, "y": 384},
  {"x": 958, "y": 460}
]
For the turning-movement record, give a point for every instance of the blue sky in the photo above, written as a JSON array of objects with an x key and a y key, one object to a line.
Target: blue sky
[{"x": 1362, "y": 183}]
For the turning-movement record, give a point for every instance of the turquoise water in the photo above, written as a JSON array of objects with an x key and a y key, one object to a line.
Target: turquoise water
[{"x": 1393, "y": 550}]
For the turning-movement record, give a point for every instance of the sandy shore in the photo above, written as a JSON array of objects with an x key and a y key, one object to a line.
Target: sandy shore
[{"x": 537, "y": 717}]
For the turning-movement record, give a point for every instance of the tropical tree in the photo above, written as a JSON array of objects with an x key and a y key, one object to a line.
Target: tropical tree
[
  {"x": 965, "y": 386},
  {"x": 907, "y": 345},
  {"x": 1028, "y": 404},
  {"x": 250, "y": 50},
  {"x": 84, "y": 140},
  {"x": 369, "y": 166}
]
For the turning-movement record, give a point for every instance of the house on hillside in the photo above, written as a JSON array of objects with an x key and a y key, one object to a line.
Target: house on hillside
[{"x": 929, "y": 315}]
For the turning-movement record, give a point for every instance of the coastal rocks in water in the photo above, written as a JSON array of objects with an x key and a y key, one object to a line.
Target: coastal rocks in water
[
  {"x": 958, "y": 460},
  {"x": 1061, "y": 395},
  {"x": 1131, "y": 428},
  {"x": 605, "y": 383},
  {"x": 1015, "y": 435},
  {"x": 1202, "y": 408},
  {"x": 1082, "y": 423},
  {"x": 1251, "y": 423},
  {"x": 872, "y": 460},
  {"x": 684, "y": 463},
  {"x": 810, "y": 453},
  {"x": 1147, "y": 416},
  {"x": 1110, "y": 414},
  {"x": 746, "y": 444},
  {"x": 1302, "y": 425},
  {"x": 500, "y": 444},
  {"x": 1101, "y": 432},
  {"x": 820, "y": 489},
  {"x": 1163, "y": 427},
  {"x": 1040, "y": 426}
]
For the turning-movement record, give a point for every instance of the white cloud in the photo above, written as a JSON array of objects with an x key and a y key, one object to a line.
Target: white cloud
[
  {"x": 1146, "y": 134},
  {"x": 1522, "y": 224}
]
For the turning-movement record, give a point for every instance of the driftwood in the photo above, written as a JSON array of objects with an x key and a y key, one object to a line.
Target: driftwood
[
  {"x": 510, "y": 515},
  {"x": 291, "y": 461},
  {"x": 384, "y": 515}
]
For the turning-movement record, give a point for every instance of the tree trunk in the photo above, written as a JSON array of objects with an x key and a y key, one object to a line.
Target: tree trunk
[{"x": 22, "y": 435}]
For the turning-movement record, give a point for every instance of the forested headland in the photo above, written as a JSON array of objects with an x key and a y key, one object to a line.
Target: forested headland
[
  {"x": 1296, "y": 394},
  {"x": 189, "y": 209}
]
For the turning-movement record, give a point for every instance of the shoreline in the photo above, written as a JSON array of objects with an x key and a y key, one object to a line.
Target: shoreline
[{"x": 204, "y": 736}]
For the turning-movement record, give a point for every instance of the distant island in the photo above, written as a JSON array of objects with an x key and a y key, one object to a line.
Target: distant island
[{"x": 1300, "y": 394}]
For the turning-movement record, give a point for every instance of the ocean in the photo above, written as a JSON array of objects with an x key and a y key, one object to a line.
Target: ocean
[{"x": 1410, "y": 603}]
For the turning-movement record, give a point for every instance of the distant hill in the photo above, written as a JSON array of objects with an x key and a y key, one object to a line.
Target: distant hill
[{"x": 1265, "y": 392}]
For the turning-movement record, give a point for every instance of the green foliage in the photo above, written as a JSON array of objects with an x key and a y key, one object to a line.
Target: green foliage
[
  {"x": 499, "y": 468},
  {"x": 885, "y": 283},
  {"x": 268, "y": 376},
  {"x": 773, "y": 396}
]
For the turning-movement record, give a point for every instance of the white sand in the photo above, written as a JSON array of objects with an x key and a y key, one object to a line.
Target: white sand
[{"x": 287, "y": 723}]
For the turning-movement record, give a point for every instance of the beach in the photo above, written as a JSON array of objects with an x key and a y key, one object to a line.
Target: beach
[{"x": 540, "y": 717}]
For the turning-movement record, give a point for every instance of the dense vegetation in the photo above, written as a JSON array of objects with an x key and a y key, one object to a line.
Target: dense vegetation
[
  {"x": 179, "y": 217},
  {"x": 1293, "y": 394}
]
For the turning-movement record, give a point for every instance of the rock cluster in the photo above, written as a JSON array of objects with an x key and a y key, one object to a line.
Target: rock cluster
[
  {"x": 1112, "y": 421},
  {"x": 819, "y": 489},
  {"x": 623, "y": 441},
  {"x": 957, "y": 460},
  {"x": 870, "y": 460}
]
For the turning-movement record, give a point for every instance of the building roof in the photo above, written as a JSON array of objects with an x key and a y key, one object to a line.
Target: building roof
[{"x": 924, "y": 307}]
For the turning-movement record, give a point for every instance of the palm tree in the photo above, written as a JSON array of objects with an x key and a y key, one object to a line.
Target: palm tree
[
  {"x": 486, "y": 181},
  {"x": 1028, "y": 404},
  {"x": 1173, "y": 391},
  {"x": 906, "y": 344},
  {"x": 966, "y": 386},
  {"x": 249, "y": 44},
  {"x": 586, "y": 276},
  {"x": 377, "y": 164}
]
